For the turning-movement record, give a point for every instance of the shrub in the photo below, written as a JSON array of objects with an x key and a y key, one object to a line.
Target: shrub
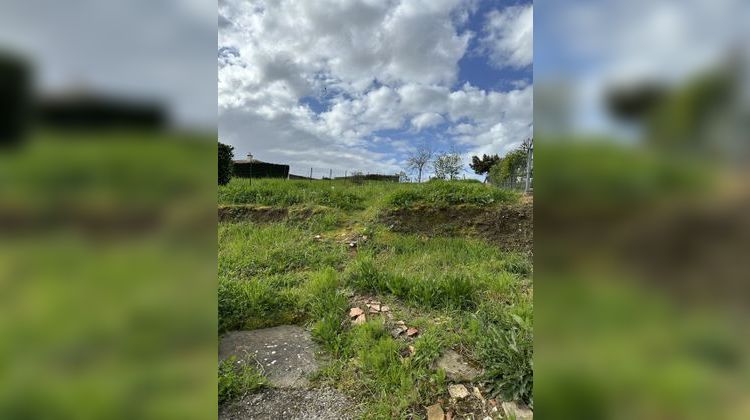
[{"x": 225, "y": 163}]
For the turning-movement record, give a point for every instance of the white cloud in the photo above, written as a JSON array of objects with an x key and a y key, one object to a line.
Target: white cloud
[
  {"x": 509, "y": 36},
  {"x": 373, "y": 65},
  {"x": 428, "y": 119}
]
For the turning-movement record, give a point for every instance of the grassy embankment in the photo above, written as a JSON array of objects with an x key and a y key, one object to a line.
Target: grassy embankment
[{"x": 460, "y": 292}]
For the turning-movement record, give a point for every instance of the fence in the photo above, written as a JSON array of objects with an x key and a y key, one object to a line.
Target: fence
[
  {"x": 522, "y": 179},
  {"x": 297, "y": 172}
]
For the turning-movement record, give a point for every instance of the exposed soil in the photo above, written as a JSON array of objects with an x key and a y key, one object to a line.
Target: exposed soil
[
  {"x": 265, "y": 214},
  {"x": 510, "y": 227}
]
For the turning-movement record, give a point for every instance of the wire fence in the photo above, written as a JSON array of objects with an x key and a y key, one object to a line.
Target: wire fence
[
  {"x": 330, "y": 174},
  {"x": 521, "y": 179}
]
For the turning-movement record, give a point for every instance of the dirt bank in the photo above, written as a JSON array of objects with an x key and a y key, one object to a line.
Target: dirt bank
[{"x": 510, "y": 227}]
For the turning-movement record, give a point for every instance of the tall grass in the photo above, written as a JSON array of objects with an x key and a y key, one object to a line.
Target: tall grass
[
  {"x": 347, "y": 195},
  {"x": 447, "y": 193}
]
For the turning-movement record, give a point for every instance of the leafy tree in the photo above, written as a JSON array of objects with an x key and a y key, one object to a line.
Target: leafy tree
[
  {"x": 419, "y": 159},
  {"x": 225, "y": 163},
  {"x": 513, "y": 164},
  {"x": 447, "y": 165},
  {"x": 483, "y": 165}
]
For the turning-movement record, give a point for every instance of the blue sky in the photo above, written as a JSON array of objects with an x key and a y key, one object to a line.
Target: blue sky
[{"x": 358, "y": 84}]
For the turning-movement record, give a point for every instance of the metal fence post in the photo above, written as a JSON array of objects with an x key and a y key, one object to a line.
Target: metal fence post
[{"x": 529, "y": 157}]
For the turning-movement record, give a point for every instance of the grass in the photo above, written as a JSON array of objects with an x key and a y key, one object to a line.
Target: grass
[
  {"x": 348, "y": 195},
  {"x": 448, "y": 193},
  {"x": 461, "y": 293},
  {"x": 237, "y": 379}
]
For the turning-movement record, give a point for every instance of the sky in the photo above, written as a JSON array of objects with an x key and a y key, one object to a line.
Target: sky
[
  {"x": 159, "y": 51},
  {"x": 359, "y": 84},
  {"x": 592, "y": 46}
]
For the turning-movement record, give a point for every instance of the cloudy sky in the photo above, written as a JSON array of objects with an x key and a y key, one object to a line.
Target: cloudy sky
[
  {"x": 357, "y": 84},
  {"x": 594, "y": 45},
  {"x": 154, "y": 50}
]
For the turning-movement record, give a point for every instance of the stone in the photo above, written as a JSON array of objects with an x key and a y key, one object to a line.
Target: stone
[
  {"x": 478, "y": 394},
  {"x": 457, "y": 369},
  {"x": 361, "y": 319},
  {"x": 435, "y": 412},
  {"x": 396, "y": 332},
  {"x": 355, "y": 312},
  {"x": 458, "y": 392},
  {"x": 385, "y": 308},
  {"x": 517, "y": 411},
  {"x": 285, "y": 354},
  {"x": 375, "y": 307},
  {"x": 411, "y": 332}
]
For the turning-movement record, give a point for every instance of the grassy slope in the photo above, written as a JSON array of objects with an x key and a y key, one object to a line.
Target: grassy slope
[{"x": 461, "y": 293}]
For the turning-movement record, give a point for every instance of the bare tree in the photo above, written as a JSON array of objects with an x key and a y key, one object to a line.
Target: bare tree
[
  {"x": 526, "y": 145},
  {"x": 419, "y": 159}
]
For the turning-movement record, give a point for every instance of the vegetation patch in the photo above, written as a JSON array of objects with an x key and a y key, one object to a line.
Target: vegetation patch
[
  {"x": 448, "y": 193},
  {"x": 281, "y": 192},
  {"x": 453, "y": 290},
  {"x": 238, "y": 379}
]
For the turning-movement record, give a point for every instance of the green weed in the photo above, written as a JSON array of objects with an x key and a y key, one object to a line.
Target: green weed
[
  {"x": 238, "y": 379},
  {"x": 447, "y": 193}
]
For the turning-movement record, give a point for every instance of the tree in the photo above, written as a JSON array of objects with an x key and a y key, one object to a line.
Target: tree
[
  {"x": 447, "y": 165},
  {"x": 403, "y": 177},
  {"x": 419, "y": 159},
  {"x": 225, "y": 163},
  {"x": 512, "y": 164},
  {"x": 483, "y": 165},
  {"x": 526, "y": 145}
]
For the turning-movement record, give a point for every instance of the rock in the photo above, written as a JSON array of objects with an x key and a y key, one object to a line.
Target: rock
[
  {"x": 514, "y": 410},
  {"x": 318, "y": 237},
  {"x": 396, "y": 332},
  {"x": 355, "y": 312},
  {"x": 457, "y": 369},
  {"x": 411, "y": 332},
  {"x": 385, "y": 308},
  {"x": 435, "y": 412},
  {"x": 375, "y": 307},
  {"x": 286, "y": 354},
  {"x": 412, "y": 350},
  {"x": 361, "y": 319},
  {"x": 478, "y": 394},
  {"x": 401, "y": 323},
  {"x": 458, "y": 392}
]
